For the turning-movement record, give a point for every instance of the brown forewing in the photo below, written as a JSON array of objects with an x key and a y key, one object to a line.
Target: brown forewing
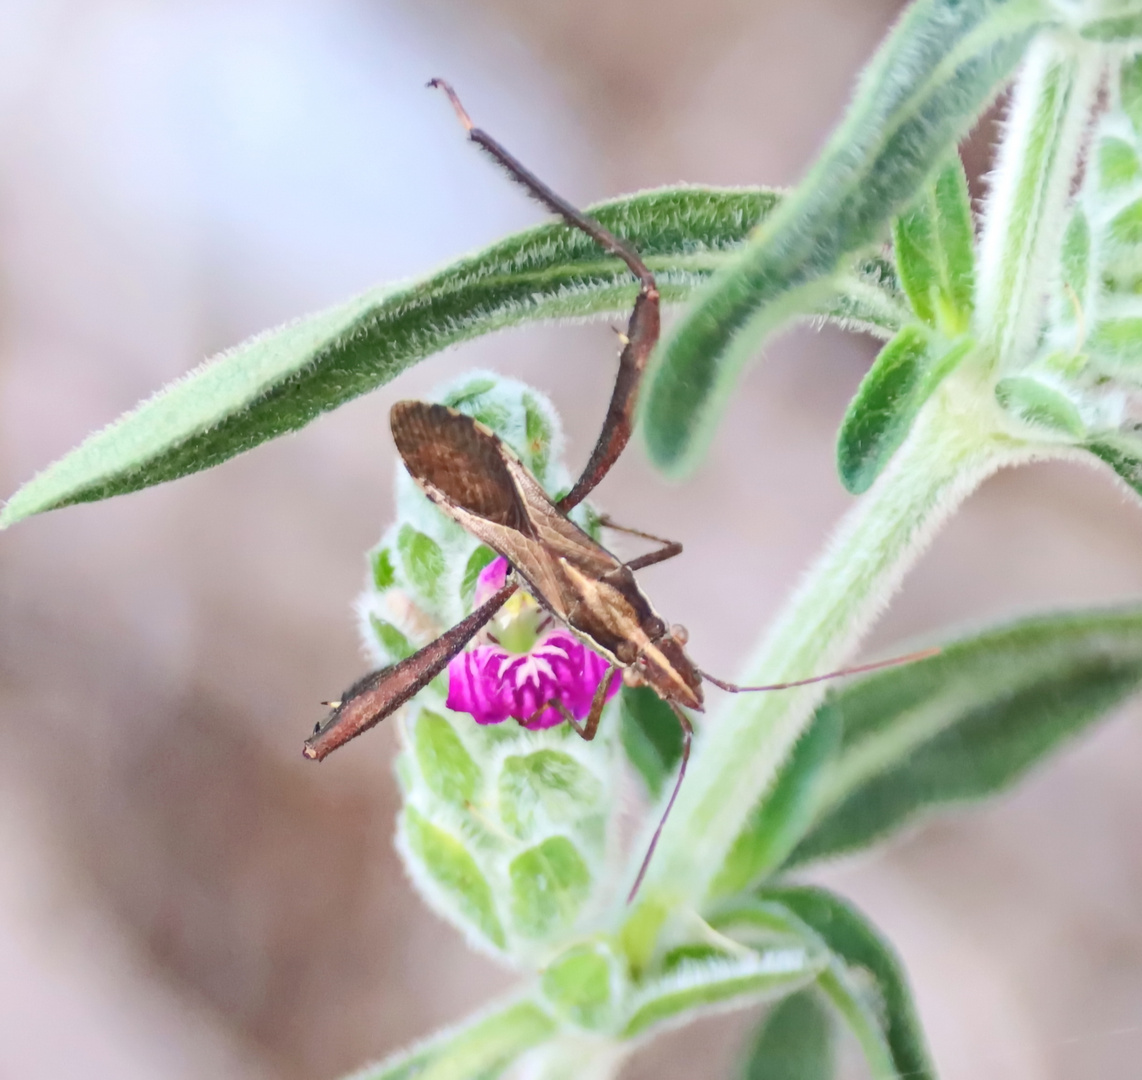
[{"x": 479, "y": 482}]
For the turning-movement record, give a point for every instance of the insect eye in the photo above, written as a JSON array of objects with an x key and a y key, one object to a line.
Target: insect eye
[
  {"x": 626, "y": 652},
  {"x": 679, "y": 633}
]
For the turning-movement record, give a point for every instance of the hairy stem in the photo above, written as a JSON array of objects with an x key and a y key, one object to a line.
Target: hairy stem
[{"x": 950, "y": 452}]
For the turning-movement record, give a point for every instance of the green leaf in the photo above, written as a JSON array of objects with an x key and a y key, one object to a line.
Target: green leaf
[
  {"x": 1118, "y": 164},
  {"x": 936, "y": 72},
  {"x": 395, "y": 644},
  {"x": 793, "y": 1042},
  {"x": 1125, "y": 227},
  {"x": 856, "y": 943},
  {"x": 1038, "y": 402},
  {"x": 549, "y": 883},
  {"x": 480, "y": 1048},
  {"x": 888, "y": 400},
  {"x": 545, "y": 789},
  {"x": 1130, "y": 90},
  {"x": 651, "y": 736},
  {"x": 1076, "y": 258},
  {"x": 539, "y": 436},
  {"x": 383, "y": 572},
  {"x": 1118, "y": 28},
  {"x": 933, "y": 241},
  {"x": 1122, "y": 451},
  {"x": 1117, "y": 344},
  {"x": 969, "y": 722},
  {"x": 422, "y": 560},
  {"x": 786, "y": 811},
  {"x": 283, "y": 379},
  {"x": 453, "y": 870},
  {"x": 448, "y": 769},
  {"x": 703, "y": 984},
  {"x": 578, "y": 984}
]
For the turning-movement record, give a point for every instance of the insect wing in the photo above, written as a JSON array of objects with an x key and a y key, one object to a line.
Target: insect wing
[{"x": 474, "y": 478}]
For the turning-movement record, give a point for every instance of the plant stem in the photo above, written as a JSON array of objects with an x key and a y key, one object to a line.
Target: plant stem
[{"x": 946, "y": 457}]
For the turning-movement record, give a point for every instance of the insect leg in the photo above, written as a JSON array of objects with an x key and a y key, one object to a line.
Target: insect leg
[
  {"x": 590, "y": 726},
  {"x": 669, "y": 548},
  {"x": 380, "y": 694},
  {"x": 687, "y": 738},
  {"x": 642, "y": 329},
  {"x": 909, "y": 658}
]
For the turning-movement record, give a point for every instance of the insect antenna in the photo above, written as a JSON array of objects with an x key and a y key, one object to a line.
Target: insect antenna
[
  {"x": 642, "y": 329},
  {"x": 687, "y": 736},
  {"x": 733, "y": 688},
  {"x": 539, "y": 191}
]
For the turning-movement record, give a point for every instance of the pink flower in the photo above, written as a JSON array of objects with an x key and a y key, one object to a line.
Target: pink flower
[{"x": 493, "y": 683}]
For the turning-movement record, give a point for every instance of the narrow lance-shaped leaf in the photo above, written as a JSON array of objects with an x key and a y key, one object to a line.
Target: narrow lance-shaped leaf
[
  {"x": 934, "y": 75},
  {"x": 280, "y": 381},
  {"x": 968, "y": 723},
  {"x": 793, "y": 1042},
  {"x": 484, "y": 1046},
  {"x": 933, "y": 242},
  {"x": 891, "y": 1022},
  {"x": 1122, "y": 451},
  {"x": 903, "y": 376}
]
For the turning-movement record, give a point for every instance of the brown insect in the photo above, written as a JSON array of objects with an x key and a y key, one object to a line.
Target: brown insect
[{"x": 467, "y": 471}]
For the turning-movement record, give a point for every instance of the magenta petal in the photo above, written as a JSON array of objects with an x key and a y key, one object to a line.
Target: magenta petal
[
  {"x": 491, "y": 579},
  {"x": 492, "y": 684},
  {"x": 472, "y": 689}
]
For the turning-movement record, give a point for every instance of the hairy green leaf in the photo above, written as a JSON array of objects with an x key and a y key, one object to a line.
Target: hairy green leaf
[
  {"x": 1130, "y": 90},
  {"x": 280, "y": 381},
  {"x": 454, "y": 872},
  {"x": 1038, "y": 402},
  {"x": 393, "y": 641},
  {"x": 933, "y": 76},
  {"x": 933, "y": 241},
  {"x": 862, "y": 951},
  {"x": 580, "y": 983},
  {"x": 1122, "y": 451},
  {"x": 1116, "y": 344},
  {"x": 482, "y": 1047},
  {"x": 651, "y": 735},
  {"x": 969, "y": 722},
  {"x": 445, "y": 764},
  {"x": 1114, "y": 28},
  {"x": 888, "y": 400},
  {"x": 793, "y": 1042},
  {"x": 549, "y": 883},
  {"x": 701, "y": 983}
]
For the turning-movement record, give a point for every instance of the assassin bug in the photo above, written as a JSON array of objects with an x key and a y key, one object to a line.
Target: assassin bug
[{"x": 468, "y": 472}]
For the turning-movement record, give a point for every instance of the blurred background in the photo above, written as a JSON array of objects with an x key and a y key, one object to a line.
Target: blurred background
[{"x": 180, "y": 894}]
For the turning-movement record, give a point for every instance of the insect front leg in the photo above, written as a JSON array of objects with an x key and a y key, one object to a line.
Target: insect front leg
[
  {"x": 669, "y": 548},
  {"x": 590, "y": 726},
  {"x": 376, "y": 696}
]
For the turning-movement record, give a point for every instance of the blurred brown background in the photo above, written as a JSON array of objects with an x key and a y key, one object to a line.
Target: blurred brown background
[{"x": 180, "y": 894}]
